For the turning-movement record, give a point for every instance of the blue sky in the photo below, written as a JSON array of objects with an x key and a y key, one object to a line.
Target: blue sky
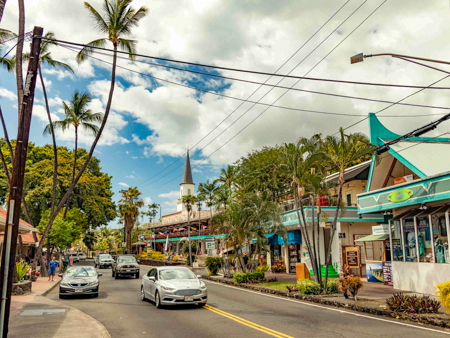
[{"x": 153, "y": 122}]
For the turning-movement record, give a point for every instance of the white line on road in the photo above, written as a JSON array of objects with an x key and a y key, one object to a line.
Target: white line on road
[{"x": 332, "y": 309}]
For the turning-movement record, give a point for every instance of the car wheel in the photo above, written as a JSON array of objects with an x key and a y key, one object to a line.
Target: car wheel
[
  {"x": 137, "y": 275},
  {"x": 143, "y": 298},
  {"x": 157, "y": 300}
]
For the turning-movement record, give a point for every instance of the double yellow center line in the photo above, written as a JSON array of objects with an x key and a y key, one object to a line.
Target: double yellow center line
[{"x": 247, "y": 323}]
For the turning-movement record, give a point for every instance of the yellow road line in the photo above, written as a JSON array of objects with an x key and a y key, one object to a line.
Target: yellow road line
[{"x": 247, "y": 323}]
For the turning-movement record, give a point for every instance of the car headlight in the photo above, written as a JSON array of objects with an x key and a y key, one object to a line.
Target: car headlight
[
  {"x": 92, "y": 284},
  {"x": 203, "y": 287},
  {"x": 64, "y": 284},
  {"x": 167, "y": 289}
]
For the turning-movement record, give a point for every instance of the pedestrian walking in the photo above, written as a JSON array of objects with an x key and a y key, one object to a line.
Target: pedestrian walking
[
  {"x": 70, "y": 260},
  {"x": 52, "y": 268},
  {"x": 245, "y": 259}
]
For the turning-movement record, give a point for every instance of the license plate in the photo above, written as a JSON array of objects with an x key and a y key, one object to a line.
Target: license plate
[
  {"x": 188, "y": 299},
  {"x": 78, "y": 290},
  {"x": 128, "y": 270}
]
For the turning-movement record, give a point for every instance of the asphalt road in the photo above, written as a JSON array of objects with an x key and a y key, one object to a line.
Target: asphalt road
[{"x": 230, "y": 312}]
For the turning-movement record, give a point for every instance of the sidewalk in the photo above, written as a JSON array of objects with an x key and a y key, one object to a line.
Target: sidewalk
[{"x": 37, "y": 316}]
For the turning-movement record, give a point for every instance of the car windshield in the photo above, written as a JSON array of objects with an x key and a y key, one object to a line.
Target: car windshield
[
  {"x": 105, "y": 257},
  {"x": 168, "y": 274},
  {"x": 126, "y": 260},
  {"x": 81, "y": 271}
]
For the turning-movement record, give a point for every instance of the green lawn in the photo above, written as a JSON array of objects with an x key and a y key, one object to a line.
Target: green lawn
[{"x": 276, "y": 285}]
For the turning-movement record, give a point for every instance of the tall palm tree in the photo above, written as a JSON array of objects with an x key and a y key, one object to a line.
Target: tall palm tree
[
  {"x": 342, "y": 151},
  {"x": 8, "y": 63},
  {"x": 129, "y": 206},
  {"x": 227, "y": 176},
  {"x": 189, "y": 201},
  {"x": 222, "y": 197},
  {"x": 78, "y": 115},
  {"x": 116, "y": 21},
  {"x": 207, "y": 190},
  {"x": 46, "y": 59}
]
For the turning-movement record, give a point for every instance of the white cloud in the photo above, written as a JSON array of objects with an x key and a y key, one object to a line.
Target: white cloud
[
  {"x": 41, "y": 113},
  {"x": 61, "y": 74},
  {"x": 134, "y": 157},
  {"x": 124, "y": 184},
  {"x": 127, "y": 152},
  {"x": 8, "y": 94},
  {"x": 171, "y": 195},
  {"x": 130, "y": 176},
  {"x": 147, "y": 200}
]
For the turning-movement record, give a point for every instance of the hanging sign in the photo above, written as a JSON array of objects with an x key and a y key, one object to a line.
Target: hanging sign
[{"x": 400, "y": 195}]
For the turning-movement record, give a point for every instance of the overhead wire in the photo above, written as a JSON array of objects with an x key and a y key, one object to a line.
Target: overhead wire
[{"x": 201, "y": 161}]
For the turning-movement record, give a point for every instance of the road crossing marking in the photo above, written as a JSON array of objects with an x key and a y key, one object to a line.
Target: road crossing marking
[
  {"x": 333, "y": 309},
  {"x": 247, "y": 323}
]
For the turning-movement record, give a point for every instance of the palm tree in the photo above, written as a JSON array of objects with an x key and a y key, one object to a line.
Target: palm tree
[
  {"x": 222, "y": 197},
  {"x": 117, "y": 21},
  {"x": 46, "y": 59},
  {"x": 227, "y": 176},
  {"x": 77, "y": 114},
  {"x": 342, "y": 151},
  {"x": 207, "y": 191},
  {"x": 188, "y": 201},
  {"x": 8, "y": 63},
  {"x": 298, "y": 160},
  {"x": 129, "y": 206}
]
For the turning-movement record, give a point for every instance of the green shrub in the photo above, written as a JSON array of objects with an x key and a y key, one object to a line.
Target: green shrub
[
  {"x": 308, "y": 287},
  {"x": 213, "y": 264},
  {"x": 21, "y": 268},
  {"x": 256, "y": 277},
  {"x": 240, "y": 277},
  {"x": 412, "y": 304},
  {"x": 332, "y": 286},
  {"x": 262, "y": 268},
  {"x": 185, "y": 248}
]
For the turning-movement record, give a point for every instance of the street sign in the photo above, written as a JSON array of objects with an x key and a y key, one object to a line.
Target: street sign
[
  {"x": 124, "y": 245},
  {"x": 141, "y": 237},
  {"x": 210, "y": 245},
  {"x": 357, "y": 58}
]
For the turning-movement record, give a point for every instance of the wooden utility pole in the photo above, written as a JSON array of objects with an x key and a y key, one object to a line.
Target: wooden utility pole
[{"x": 8, "y": 263}]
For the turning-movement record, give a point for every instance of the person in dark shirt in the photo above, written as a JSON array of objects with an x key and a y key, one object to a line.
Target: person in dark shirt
[{"x": 245, "y": 259}]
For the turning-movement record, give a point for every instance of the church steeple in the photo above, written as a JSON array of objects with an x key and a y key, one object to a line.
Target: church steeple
[{"x": 187, "y": 175}]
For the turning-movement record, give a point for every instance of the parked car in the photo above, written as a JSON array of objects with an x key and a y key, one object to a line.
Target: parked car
[
  {"x": 81, "y": 256},
  {"x": 125, "y": 265},
  {"x": 103, "y": 260},
  {"x": 79, "y": 280},
  {"x": 75, "y": 256},
  {"x": 167, "y": 285}
]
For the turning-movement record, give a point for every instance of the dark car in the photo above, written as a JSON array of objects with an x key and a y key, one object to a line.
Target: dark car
[
  {"x": 125, "y": 266},
  {"x": 79, "y": 280}
]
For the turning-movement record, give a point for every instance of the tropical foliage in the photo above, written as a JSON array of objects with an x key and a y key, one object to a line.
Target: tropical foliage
[{"x": 129, "y": 206}]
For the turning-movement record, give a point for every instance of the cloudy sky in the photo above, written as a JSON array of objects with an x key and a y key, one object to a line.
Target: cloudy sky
[{"x": 153, "y": 122}]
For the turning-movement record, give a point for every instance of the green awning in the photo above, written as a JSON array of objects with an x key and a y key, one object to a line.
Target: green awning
[{"x": 373, "y": 238}]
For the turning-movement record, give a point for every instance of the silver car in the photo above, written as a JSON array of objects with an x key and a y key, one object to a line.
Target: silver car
[
  {"x": 167, "y": 285},
  {"x": 79, "y": 280},
  {"x": 103, "y": 260}
]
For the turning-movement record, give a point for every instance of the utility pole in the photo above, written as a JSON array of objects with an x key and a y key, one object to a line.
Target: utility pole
[{"x": 8, "y": 263}]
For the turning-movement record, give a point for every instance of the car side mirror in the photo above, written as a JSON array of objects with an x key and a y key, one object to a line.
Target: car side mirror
[
  {"x": 152, "y": 278},
  {"x": 100, "y": 274},
  {"x": 199, "y": 276},
  {"x": 60, "y": 275}
]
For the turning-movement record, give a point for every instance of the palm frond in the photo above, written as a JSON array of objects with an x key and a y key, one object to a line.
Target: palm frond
[
  {"x": 9, "y": 64},
  {"x": 129, "y": 46},
  {"x": 6, "y": 35},
  {"x": 56, "y": 64},
  {"x": 88, "y": 50},
  {"x": 90, "y": 127},
  {"x": 101, "y": 25}
]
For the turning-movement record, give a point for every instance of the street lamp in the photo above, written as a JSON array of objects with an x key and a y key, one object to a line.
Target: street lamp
[{"x": 199, "y": 208}]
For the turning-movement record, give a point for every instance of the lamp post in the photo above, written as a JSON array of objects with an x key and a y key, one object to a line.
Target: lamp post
[
  {"x": 188, "y": 208},
  {"x": 199, "y": 208}
]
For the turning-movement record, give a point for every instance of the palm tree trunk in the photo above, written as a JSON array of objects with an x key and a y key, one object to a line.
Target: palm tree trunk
[
  {"x": 128, "y": 231},
  {"x": 318, "y": 246},
  {"x": 19, "y": 50},
  {"x": 308, "y": 243},
  {"x": 2, "y": 8},
  {"x": 73, "y": 168},
  {"x": 333, "y": 231},
  {"x": 55, "y": 150},
  {"x": 88, "y": 158},
  {"x": 314, "y": 247}
]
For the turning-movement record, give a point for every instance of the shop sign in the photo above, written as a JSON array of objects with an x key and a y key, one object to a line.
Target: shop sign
[
  {"x": 387, "y": 273},
  {"x": 403, "y": 179},
  {"x": 352, "y": 257},
  {"x": 400, "y": 195},
  {"x": 374, "y": 272},
  {"x": 210, "y": 245},
  {"x": 382, "y": 229}
]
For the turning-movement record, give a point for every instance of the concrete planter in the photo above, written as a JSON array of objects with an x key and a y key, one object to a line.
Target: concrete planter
[
  {"x": 155, "y": 262},
  {"x": 21, "y": 288}
]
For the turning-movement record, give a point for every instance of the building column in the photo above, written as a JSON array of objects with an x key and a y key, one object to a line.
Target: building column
[
  {"x": 269, "y": 258},
  {"x": 203, "y": 247},
  {"x": 285, "y": 255}
]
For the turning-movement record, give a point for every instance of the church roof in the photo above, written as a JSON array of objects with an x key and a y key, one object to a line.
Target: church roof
[{"x": 187, "y": 175}]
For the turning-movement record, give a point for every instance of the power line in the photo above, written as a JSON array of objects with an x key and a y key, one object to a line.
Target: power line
[
  {"x": 292, "y": 86},
  {"x": 61, "y": 42},
  {"x": 275, "y": 86},
  {"x": 354, "y": 124}
]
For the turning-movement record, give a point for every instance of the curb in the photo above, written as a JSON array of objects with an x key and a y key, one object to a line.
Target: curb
[
  {"x": 421, "y": 319},
  {"x": 46, "y": 292}
]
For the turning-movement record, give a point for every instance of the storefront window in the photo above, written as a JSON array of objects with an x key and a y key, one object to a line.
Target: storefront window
[
  {"x": 440, "y": 238},
  {"x": 409, "y": 237},
  {"x": 397, "y": 246},
  {"x": 424, "y": 238}
]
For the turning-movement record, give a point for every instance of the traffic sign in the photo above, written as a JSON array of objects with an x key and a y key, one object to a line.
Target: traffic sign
[
  {"x": 142, "y": 237},
  {"x": 210, "y": 245}
]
